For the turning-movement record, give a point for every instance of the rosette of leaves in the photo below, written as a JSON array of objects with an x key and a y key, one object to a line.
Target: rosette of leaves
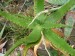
[{"x": 44, "y": 24}]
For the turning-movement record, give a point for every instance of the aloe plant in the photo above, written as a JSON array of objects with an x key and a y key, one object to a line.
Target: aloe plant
[{"x": 42, "y": 23}]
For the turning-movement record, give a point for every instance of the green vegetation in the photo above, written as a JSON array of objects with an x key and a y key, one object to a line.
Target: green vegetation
[{"x": 42, "y": 22}]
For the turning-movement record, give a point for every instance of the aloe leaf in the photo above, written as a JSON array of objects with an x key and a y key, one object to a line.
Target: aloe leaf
[
  {"x": 58, "y": 2},
  {"x": 18, "y": 43},
  {"x": 38, "y": 21},
  {"x": 26, "y": 49},
  {"x": 59, "y": 43},
  {"x": 1, "y": 33},
  {"x": 58, "y": 14},
  {"x": 38, "y": 6},
  {"x": 15, "y": 19},
  {"x": 34, "y": 35},
  {"x": 33, "y": 38},
  {"x": 49, "y": 25}
]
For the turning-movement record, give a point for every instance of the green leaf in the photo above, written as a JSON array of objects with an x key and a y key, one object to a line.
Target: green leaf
[
  {"x": 34, "y": 35},
  {"x": 38, "y": 21},
  {"x": 58, "y": 42},
  {"x": 1, "y": 33},
  {"x": 33, "y": 38},
  {"x": 48, "y": 25},
  {"x": 53, "y": 52},
  {"x": 26, "y": 49},
  {"x": 18, "y": 43},
  {"x": 38, "y": 6},
  {"x": 58, "y": 2},
  {"x": 58, "y": 14},
  {"x": 15, "y": 19}
]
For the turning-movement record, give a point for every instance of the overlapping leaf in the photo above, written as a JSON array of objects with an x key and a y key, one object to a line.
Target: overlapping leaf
[
  {"x": 33, "y": 38},
  {"x": 58, "y": 42},
  {"x": 58, "y": 14},
  {"x": 49, "y": 25},
  {"x": 15, "y": 19}
]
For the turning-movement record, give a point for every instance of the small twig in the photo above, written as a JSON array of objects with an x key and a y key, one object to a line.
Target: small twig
[
  {"x": 44, "y": 43},
  {"x": 22, "y": 7},
  {"x": 45, "y": 11}
]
